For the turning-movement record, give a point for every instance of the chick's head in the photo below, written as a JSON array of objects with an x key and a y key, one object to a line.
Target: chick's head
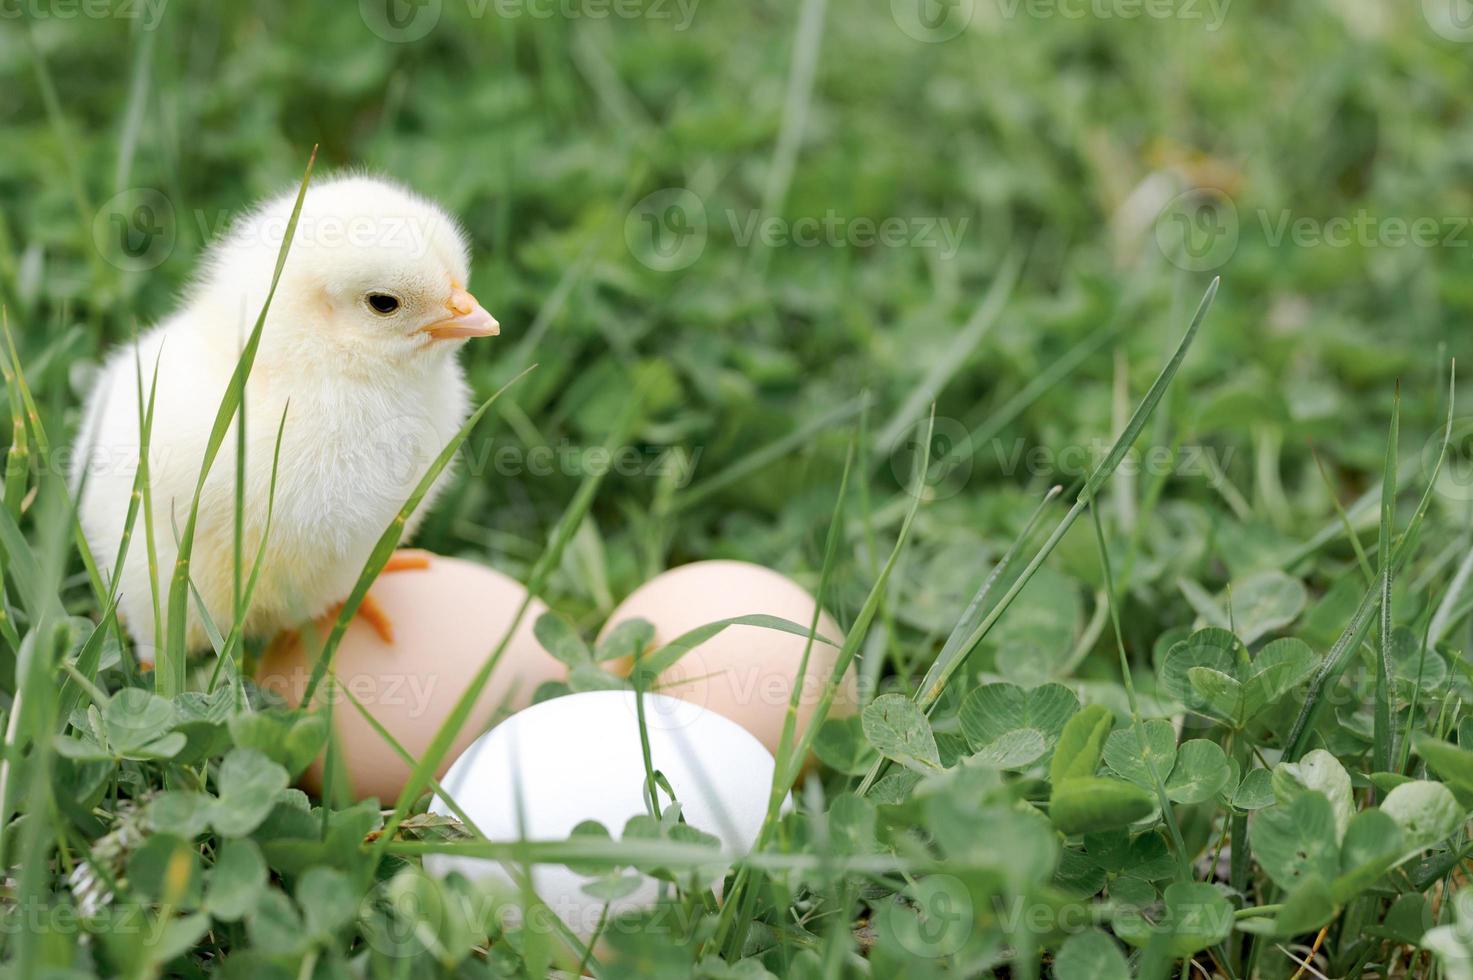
[{"x": 375, "y": 275}]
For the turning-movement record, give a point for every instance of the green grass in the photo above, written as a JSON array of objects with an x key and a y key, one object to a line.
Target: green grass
[{"x": 1215, "y": 724}]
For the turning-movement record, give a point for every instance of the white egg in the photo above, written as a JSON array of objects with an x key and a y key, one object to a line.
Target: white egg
[{"x": 548, "y": 768}]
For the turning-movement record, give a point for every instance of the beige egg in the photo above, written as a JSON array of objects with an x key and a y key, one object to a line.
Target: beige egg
[
  {"x": 446, "y": 619},
  {"x": 744, "y": 673}
]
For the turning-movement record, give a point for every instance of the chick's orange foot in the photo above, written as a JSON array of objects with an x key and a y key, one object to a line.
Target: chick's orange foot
[
  {"x": 370, "y": 612},
  {"x": 408, "y": 559},
  {"x": 373, "y": 614},
  {"x": 403, "y": 560}
]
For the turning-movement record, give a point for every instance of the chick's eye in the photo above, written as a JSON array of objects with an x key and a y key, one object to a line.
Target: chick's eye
[{"x": 383, "y": 303}]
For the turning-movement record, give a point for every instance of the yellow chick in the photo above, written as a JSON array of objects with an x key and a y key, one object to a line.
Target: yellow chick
[{"x": 361, "y": 341}]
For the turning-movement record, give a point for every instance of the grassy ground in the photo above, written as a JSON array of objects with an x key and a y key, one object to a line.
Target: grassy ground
[{"x": 780, "y": 231}]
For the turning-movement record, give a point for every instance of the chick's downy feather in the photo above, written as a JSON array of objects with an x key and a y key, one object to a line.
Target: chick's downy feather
[{"x": 358, "y": 349}]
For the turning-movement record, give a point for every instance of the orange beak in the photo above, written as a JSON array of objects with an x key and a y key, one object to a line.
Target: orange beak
[{"x": 467, "y": 319}]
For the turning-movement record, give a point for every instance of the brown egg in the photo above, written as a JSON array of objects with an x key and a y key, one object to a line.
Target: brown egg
[
  {"x": 446, "y": 620},
  {"x": 744, "y": 673}
]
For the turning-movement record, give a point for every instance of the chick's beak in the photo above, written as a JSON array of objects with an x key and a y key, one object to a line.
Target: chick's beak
[{"x": 467, "y": 319}]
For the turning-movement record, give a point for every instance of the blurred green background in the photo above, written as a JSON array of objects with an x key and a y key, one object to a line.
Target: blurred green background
[{"x": 618, "y": 165}]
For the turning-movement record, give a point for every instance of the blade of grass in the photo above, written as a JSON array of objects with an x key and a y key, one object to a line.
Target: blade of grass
[
  {"x": 33, "y": 416},
  {"x": 29, "y": 728},
  {"x": 580, "y": 949},
  {"x": 871, "y": 667},
  {"x": 765, "y": 455},
  {"x": 973, "y": 626},
  {"x": 562, "y": 533},
  {"x": 730, "y": 933},
  {"x": 942, "y": 672},
  {"x": 237, "y": 524},
  {"x": 30, "y": 578},
  {"x": 64, "y": 139},
  {"x": 86, "y": 667},
  {"x": 43, "y": 452},
  {"x": 235, "y": 642},
  {"x": 17, "y": 477},
  {"x": 207, "y": 622},
  {"x": 1359, "y": 512},
  {"x": 786, "y": 756},
  {"x": 24, "y": 408},
  {"x": 681, "y": 855},
  {"x": 785, "y": 744},
  {"x": 651, "y": 785},
  {"x": 134, "y": 108},
  {"x": 963, "y": 344},
  {"x": 971, "y": 617},
  {"x": 145, "y": 485},
  {"x": 139, "y": 496},
  {"x": 1350, "y": 532},
  {"x": 140, "y": 481},
  {"x": 807, "y": 39},
  {"x": 1059, "y": 369},
  {"x": 169, "y": 668},
  {"x": 1443, "y": 619},
  {"x": 383, "y": 550},
  {"x": 1338, "y": 656},
  {"x": 661, "y": 660},
  {"x": 1406, "y": 736},
  {"x": 1154, "y": 489},
  {"x": 18, "y": 456},
  {"x": 1183, "y": 859},
  {"x": 1381, "y": 747},
  {"x": 32, "y": 888}
]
